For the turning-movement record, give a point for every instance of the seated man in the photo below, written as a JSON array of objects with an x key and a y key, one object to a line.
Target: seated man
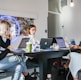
[{"x": 74, "y": 61}]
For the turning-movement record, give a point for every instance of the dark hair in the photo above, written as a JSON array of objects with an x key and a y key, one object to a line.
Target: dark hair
[
  {"x": 22, "y": 32},
  {"x": 5, "y": 22},
  {"x": 31, "y": 26},
  {"x": 25, "y": 28},
  {"x": 25, "y": 31}
]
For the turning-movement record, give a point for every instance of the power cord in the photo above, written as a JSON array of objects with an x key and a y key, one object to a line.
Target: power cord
[{"x": 67, "y": 75}]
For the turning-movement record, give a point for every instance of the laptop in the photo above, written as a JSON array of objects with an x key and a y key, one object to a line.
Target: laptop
[
  {"x": 23, "y": 43},
  {"x": 45, "y": 43},
  {"x": 20, "y": 44},
  {"x": 61, "y": 43}
]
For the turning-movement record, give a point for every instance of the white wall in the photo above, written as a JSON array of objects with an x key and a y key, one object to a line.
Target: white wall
[
  {"x": 71, "y": 19},
  {"x": 37, "y": 9}
]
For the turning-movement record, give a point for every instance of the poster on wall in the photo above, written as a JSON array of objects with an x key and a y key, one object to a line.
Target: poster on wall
[{"x": 17, "y": 24}]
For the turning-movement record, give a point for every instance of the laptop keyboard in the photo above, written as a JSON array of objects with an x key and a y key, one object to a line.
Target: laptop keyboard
[{"x": 19, "y": 51}]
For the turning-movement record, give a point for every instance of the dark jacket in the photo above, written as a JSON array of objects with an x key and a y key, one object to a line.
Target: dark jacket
[{"x": 4, "y": 45}]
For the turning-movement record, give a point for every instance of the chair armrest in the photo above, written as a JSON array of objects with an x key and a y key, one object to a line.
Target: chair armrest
[{"x": 2, "y": 71}]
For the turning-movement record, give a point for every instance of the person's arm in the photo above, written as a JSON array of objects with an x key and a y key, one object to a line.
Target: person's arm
[
  {"x": 8, "y": 35},
  {"x": 6, "y": 44},
  {"x": 76, "y": 47}
]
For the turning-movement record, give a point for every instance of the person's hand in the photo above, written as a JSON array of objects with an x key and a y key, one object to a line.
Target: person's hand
[
  {"x": 74, "y": 46},
  {"x": 9, "y": 47},
  {"x": 71, "y": 46},
  {"x": 8, "y": 36}
]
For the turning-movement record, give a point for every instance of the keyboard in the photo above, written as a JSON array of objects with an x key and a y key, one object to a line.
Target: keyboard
[{"x": 19, "y": 51}]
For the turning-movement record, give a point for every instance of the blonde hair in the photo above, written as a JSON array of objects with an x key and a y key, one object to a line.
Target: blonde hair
[
  {"x": 5, "y": 22},
  {"x": 4, "y": 31}
]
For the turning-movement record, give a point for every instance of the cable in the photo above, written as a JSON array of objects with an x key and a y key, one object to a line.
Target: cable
[{"x": 67, "y": 75}]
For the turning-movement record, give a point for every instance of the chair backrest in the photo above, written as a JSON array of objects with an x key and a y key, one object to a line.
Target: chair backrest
[
  {"x": 80, "y": 43},
  {"x": 79, "y": 74}
]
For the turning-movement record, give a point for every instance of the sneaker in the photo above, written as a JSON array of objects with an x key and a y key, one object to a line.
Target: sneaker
[{"x": 28, "y": 77}]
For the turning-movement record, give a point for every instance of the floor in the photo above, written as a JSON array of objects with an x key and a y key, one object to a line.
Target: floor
[
  {"x": 22, "y": 78},
  {"x": 61, "y": 77}
]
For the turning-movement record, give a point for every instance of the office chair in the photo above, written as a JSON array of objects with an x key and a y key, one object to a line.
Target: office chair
[
  {"x": 79, "y": 74},
  {"x": 80, "y": 43},
  {"x": 5, "y": 74},
  {"x": 33, "y": 63}
]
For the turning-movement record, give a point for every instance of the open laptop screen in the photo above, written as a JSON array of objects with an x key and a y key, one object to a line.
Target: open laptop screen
[
  {"x": 23, "y": 43},
  {"x": 60, "y": 41},
  {"x": 45, "y": 43}
]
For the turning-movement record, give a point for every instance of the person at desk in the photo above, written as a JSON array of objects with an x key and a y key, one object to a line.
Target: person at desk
[
  {"x": 10, "y": 62},
  {"x": 32, "y": 31},
  {"x": 7, "y": 62},
  {"x": 24, "y": 58},
  {"x": 74, "y": 62}
]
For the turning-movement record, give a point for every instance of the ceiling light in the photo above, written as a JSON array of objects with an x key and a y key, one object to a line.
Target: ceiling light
[{"x": 72, "y": 3}]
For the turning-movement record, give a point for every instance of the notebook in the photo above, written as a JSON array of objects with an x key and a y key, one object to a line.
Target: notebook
[{"x": 45, "y": 43}]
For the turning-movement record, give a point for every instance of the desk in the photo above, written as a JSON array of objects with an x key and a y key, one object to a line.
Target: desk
[{"x": 43, "y": 57}]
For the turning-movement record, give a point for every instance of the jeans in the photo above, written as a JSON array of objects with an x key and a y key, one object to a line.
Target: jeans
[{"x": 15, "y": 64}]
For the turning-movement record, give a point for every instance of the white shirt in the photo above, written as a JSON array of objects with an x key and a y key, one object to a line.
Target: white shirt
[
  {"x": 33, "y": 39},
  {"x": 35, "y": 42}
]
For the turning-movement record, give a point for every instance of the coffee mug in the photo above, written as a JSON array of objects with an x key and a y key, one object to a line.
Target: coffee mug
[{"x": 29, "y": 47}]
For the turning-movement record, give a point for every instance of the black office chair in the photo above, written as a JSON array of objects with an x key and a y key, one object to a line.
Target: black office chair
[
  {"x": 35, "y": 73},
  {"x": 80, "y": 43},
  {"x": 33, "y": 63},
  {"x": 5, "y": 74},
  {"x": 79, "y": 74}
]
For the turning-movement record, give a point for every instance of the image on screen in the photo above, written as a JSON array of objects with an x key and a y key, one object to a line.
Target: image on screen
[{"x": 61, "y": 42}]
